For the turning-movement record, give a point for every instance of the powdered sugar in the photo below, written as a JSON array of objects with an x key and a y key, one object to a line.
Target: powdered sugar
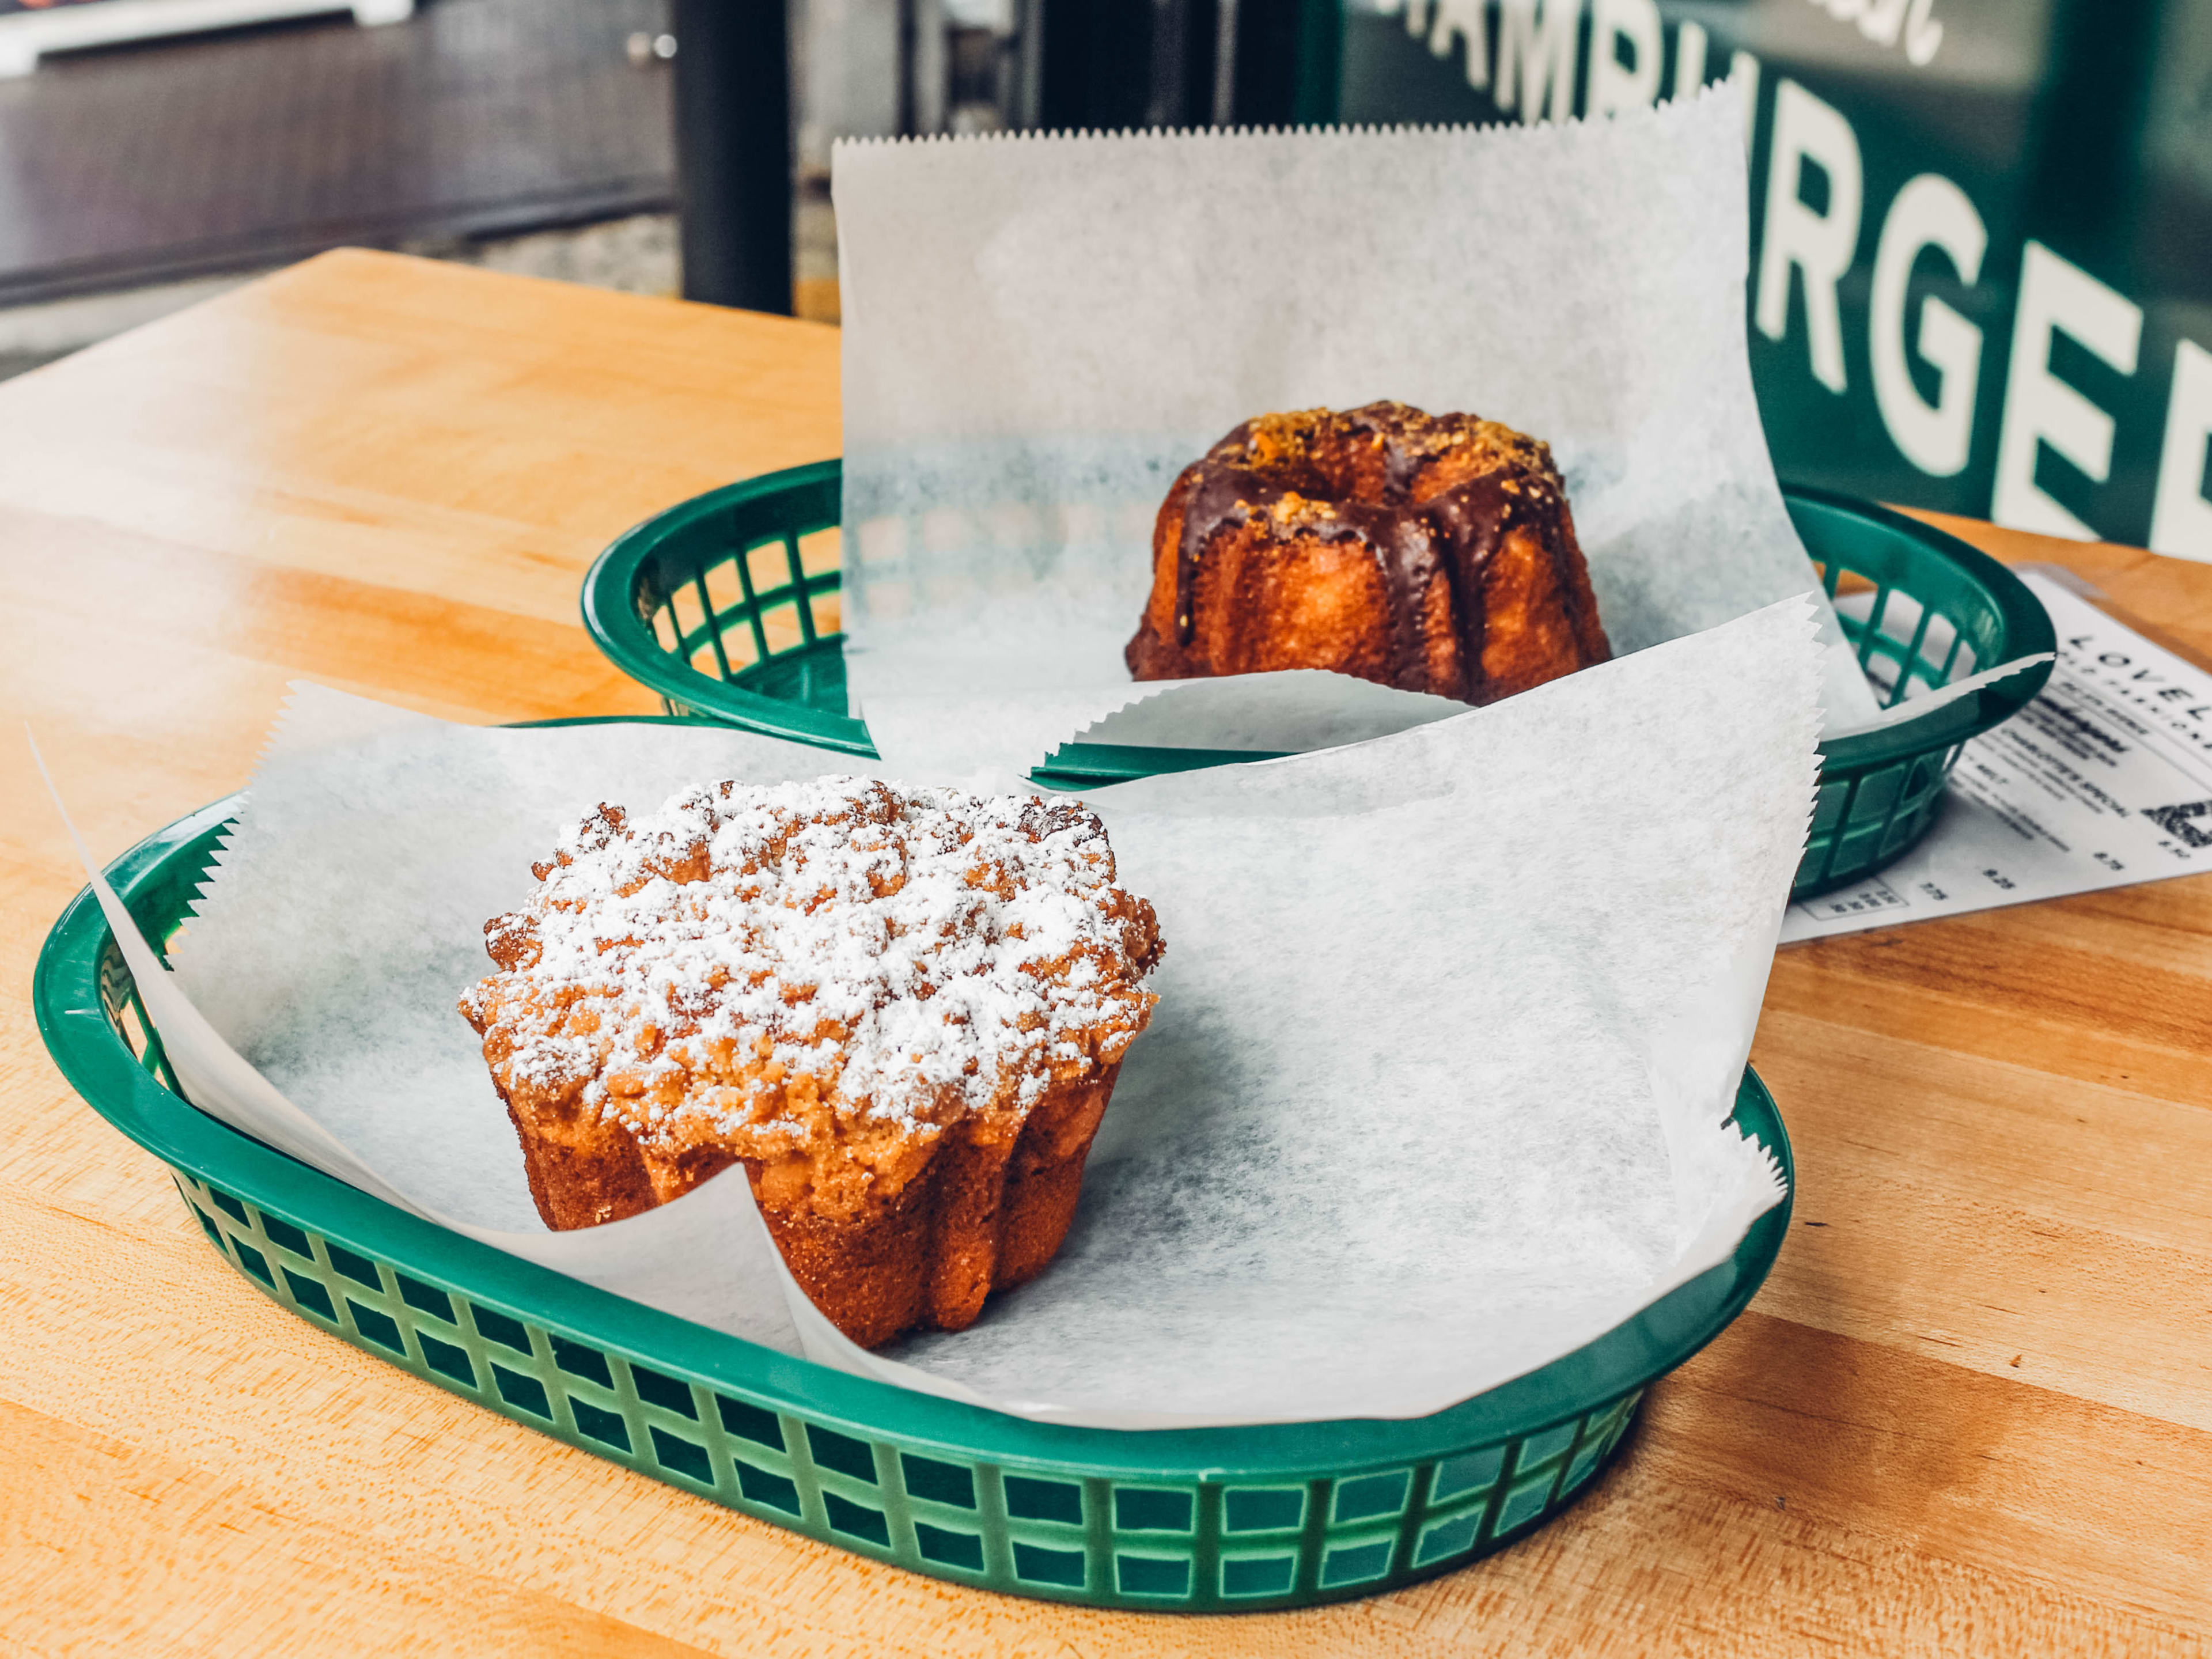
[{"x": 747, "y": 955}]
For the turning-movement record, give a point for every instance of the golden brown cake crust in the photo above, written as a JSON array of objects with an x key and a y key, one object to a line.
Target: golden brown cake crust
[
  {"x": 901, "y": 1011},
  {"x": 1433, "y": 553}
]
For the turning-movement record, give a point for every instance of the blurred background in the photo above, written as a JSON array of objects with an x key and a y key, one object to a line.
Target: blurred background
[{"x": 1981, "y": 230}]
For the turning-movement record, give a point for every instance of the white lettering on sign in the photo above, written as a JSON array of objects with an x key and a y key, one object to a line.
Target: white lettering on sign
[
  {"x": 1633, "y": 24},
  {"x": 1923, "y": 36},
  {"x": 2181, "y": 520},
  {"x": 2056, "y": 296},
  {"x": 1689, "y": 59},
  {"x": 1538, "y": 43},
  {"x": 1461, "y": 20},
  {"x": 1744, "y": 69},
  {"x": 1819, "y": 244},
  {"x": 1885, "y": 22},
  {"x": 1928, "y": 212}
]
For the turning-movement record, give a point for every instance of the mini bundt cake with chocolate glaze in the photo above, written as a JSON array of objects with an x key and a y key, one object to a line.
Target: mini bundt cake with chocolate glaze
[{"x": 1432, "y": 553}]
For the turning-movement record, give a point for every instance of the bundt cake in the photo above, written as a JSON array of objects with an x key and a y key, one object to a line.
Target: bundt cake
[
  {"x": 902, "y": 1010},
  {"x": 1432, "y": 553}
]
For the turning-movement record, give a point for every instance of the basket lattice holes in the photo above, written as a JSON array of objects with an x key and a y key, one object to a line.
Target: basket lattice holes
[
  {"x": 1906, "y": 648},
  {"x": 1033, "y": 1533},
  {"x": 763, "y": 606}
]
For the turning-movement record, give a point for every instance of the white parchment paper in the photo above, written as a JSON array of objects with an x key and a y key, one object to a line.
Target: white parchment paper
[
  {"x": 1040, "y": 333},
  {"x": 1449, "y": 1024}
]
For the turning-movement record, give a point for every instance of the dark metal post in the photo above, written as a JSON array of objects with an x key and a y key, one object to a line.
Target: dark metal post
[
  {"x": 1171, "y": 65},
  {"x": 1285, "y": 63},
  {"x": 733, "y": 157}
]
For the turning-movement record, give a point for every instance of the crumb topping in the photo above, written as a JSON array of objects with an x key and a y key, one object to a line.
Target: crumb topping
[{"x": 774, "y": 969}]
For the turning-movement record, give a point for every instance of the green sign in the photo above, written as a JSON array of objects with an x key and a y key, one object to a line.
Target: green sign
[{"x": 1981, "y": 262}]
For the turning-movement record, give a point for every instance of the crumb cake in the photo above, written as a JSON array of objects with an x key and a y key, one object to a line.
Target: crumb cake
[
  {"x": 1432, "y": 553},
  {"x": 901, "y": 1011}
]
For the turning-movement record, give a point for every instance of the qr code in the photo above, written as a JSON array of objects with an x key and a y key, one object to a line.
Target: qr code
[{"x": 2190, "y": 824}]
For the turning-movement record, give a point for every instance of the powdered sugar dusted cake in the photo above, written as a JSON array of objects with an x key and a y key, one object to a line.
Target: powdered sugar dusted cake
[{"x": 902, "y": 1010}]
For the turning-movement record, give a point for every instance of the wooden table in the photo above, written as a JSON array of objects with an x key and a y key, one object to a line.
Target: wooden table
[{"x": 1972, "y": 1412}]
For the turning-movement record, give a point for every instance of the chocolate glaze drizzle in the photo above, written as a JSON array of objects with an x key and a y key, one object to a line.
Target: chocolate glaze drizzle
[{"x": 1455, "y": 532}]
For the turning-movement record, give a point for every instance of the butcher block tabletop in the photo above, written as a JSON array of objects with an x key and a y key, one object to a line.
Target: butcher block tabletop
[{"x": 1970, "y": 1414}]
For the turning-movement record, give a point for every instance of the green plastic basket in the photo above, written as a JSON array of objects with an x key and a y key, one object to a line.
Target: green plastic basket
[
  {"x": 1196, "y": 1520},
  {"x": 726, "y": 606}
]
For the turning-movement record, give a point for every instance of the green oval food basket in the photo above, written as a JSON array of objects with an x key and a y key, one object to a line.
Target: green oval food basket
[
  {"x": 726, "y": 606},
  {"x": 1193, "y": 1519}
]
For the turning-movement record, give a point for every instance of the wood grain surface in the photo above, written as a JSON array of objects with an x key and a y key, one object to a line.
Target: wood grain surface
[{"x": 1971, "y": 1413}]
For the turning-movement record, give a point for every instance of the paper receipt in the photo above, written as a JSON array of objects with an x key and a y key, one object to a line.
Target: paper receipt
[{"x": 2104, "y": 780}]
